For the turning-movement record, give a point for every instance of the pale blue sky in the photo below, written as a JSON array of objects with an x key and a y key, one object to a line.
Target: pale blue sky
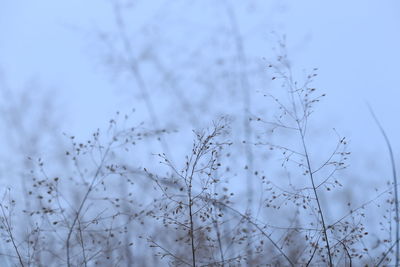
[{"x": 355, "y": 45}]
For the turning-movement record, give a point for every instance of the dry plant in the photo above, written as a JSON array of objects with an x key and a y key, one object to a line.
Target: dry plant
[
  {"x": 96, "y": 207},
  {"x": 90, "y": 213},
  {"x": 326, "y": 242},
  {"x": 78, "y": 218},
  {"x": 186, "y": 206}
]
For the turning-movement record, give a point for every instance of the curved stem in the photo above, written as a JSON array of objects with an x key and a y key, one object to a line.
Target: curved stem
[{"x": 394, "y": 174}]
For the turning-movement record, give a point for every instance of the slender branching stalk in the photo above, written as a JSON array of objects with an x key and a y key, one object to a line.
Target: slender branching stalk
[
  {"x": 8, "y": 227},
  {"x": 310, "y": 171},
  {"x": 83, "y": 202}
]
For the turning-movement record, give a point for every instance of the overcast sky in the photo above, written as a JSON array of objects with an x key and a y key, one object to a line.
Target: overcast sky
[{"x": 355, "y": 45}]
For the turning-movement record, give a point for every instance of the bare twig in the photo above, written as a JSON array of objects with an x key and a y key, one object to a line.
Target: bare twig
[
  {"x": 83, "y": 202},
  {"x": 7, "y": 226}
]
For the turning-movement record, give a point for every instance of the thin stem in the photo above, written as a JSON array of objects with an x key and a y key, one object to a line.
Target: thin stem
[
  {"x": 386, "y": 253},
  {"x": 221, "y": 253},
  {"x": 347, "y": 252},
  {"x": 192, "y": 229},
  {"x": 11, "y": 236},
  {"x": 324, "y": 229},
  {"x": 389, "y": 146},
  {"x": 82, "y": 243},
  {"x": 89, "y": 190}
]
